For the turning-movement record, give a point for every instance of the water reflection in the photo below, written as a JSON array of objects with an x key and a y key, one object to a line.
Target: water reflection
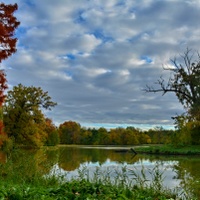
[
  {"x": 89, "y": 168},
  {"x": 72, "y": 157},
  {"x": 70, "y": 161},
  {"x": 178, "y": 171}
]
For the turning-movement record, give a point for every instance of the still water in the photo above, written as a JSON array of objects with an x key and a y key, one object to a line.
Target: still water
[
  {"x": 181, "y": 173},
  {"x": 178, "y": 172}
]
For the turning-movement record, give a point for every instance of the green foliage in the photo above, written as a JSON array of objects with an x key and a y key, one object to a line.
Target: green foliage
[
  {"x": 52, "y": 133},
  {"x": 53, "y": 138},
  {"x": 23, "y": 117},
  {"x": 23, "y": 181},
  {"x": 79, "y": 190},
  {"x": 187, "y": 131},
  {"x": 170, "y": 149},
  {"x": 8, "y": 145},
  {"x": 72, "y": 133},
  {"x": 28, "y": 175}
]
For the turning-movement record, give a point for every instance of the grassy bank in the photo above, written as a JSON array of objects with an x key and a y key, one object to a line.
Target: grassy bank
[
  {"x": 24, "y": 176},
  {"x": 169, "y": 150},
  {"x": 22, "y": 180},
  {"x": 81, "y": 189}
]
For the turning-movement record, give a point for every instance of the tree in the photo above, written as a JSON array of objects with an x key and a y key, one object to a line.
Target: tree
[
  {"x": 53, "y": 138},
  {"x": 70, "y": 132},
  {"x": 23, "y": 117},
  {"x": 184, "y": 82},
  {"x": 103, "y": 137},
  {"x": 114, "y": 136},
  {"x": 133, "y": 135},
  {"x": 86, "y": 136},
  {"x": 8, "y": 25},
  {"x": 52, "y": 133}
]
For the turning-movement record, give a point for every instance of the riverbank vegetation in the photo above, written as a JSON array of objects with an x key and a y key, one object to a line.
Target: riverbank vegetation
[
  {"x": 64, "y": 173},
  {"x": 30, "y": 179},
  {"x": 169, "y": 150},
  {"x": 82, "y": 189}
]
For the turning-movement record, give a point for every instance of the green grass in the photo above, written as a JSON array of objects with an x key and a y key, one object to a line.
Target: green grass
[
  {"x": 25, "y": 179},
  {"x": 55, "y": 188},
  {"x": 79, "y": 190},
  {"x": 170, "y": 150}
]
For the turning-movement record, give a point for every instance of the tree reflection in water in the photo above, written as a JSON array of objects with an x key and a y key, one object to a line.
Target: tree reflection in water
[{"x": 69, "y": 161}]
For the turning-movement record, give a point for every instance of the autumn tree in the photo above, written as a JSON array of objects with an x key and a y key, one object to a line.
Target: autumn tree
[
  {"x": 23, "y": 116},
  {"x": 103, "y": 137},
  {"x": 184, "y": 82},
  {"x": 114, "y": 136},
  {"x": 133, "y": 135},
  {"x": 8, "y": 25},
  {"x": 85, "y": 136},
  {"x": 70, "y": 132},
  {"x": 52, "y": 133}
]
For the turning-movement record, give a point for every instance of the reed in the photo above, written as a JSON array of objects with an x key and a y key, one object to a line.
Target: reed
[{"x": 29, "y": 180}]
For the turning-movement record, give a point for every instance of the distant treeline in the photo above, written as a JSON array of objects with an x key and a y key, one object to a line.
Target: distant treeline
[
  {"x": 71, "y": 132},
  {"x": 26, "y": 125}
]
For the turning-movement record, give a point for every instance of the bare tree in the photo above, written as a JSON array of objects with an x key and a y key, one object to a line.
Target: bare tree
[{"x": 184, "y": 81}]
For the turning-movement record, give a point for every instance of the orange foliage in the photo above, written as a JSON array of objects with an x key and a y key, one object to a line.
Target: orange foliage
[
  {"x": 3, "y": 136},
  {"x": 3, "y": 86},
  {"x": 3, "y": 157},
  {"x": 8, "y": 24},
  {"x": 50, "y": 127},
  {"x": 70, "y": 132}
]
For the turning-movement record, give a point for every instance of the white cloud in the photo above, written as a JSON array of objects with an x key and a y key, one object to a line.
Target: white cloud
[
  {"x": 95, "y": 57},
  {"x": 89, "y": 43},
  {"x": 132, "y": 62}
]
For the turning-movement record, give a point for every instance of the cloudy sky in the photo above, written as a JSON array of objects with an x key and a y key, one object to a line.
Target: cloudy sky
[{"x": 95, "y": 57}]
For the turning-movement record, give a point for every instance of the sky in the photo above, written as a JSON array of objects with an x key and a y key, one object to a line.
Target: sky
[{"x": 95, "y": 57}]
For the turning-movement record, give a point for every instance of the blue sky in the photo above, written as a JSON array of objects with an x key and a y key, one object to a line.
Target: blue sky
[{"x": 95, "y": 57}]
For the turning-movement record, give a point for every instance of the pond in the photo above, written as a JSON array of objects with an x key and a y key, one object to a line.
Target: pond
[{"x": 180, "y": 172}]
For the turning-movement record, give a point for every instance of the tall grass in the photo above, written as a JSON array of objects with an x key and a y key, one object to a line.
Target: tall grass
[{"x": 29, "y": 179}]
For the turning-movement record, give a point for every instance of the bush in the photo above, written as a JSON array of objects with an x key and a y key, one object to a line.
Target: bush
[{"x": 8, "y": 145}]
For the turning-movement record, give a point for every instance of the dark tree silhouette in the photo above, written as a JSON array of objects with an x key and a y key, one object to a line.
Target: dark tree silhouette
[{"x": 184, "y": 82}]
